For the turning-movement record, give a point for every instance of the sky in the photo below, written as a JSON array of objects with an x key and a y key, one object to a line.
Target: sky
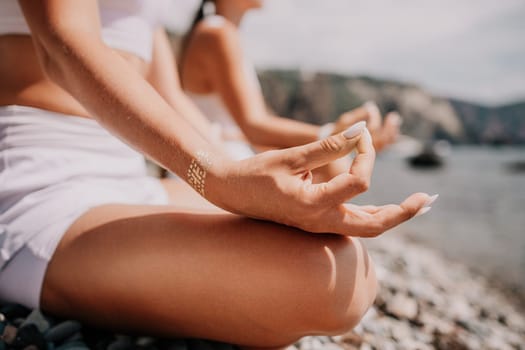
[{"x": 468, "y": 49}]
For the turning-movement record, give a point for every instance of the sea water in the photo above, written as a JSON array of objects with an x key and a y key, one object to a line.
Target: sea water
[{"x": 479, "y": 218}]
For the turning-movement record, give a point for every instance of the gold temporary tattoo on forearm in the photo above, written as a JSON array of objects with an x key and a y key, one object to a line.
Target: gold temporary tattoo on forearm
[{"x": 197, "y": 171}]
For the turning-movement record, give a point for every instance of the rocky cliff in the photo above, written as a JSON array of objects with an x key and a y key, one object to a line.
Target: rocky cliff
[{"x": 321, "y": 97}]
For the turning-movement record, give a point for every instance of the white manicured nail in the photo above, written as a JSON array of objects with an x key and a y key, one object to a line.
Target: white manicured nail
[
  {"x": 372, "y": 107},
  {"x": 395, "y": 118},
  {"x": 423, "y": 211},
  {"x": 354, "y": 130},
  {"x": 431, "y": 200}
]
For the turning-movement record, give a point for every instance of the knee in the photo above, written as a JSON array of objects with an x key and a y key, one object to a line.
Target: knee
[
  {"x": 343, "y": 286},
  {"x": 322, "y": 284}
]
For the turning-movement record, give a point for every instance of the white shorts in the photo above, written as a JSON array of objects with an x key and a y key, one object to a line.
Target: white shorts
[{"x": 53, "y": 168}]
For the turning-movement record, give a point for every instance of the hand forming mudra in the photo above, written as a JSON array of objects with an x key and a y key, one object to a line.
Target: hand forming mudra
[
  {"x": 384, "y": 131},
  {"x": 276, "y": 185}
]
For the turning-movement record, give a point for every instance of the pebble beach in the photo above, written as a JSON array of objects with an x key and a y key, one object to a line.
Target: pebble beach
[{"x": 427, "y": 302}]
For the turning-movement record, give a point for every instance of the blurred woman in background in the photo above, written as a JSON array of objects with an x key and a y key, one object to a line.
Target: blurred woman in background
[{"x": 218, "y": 77}]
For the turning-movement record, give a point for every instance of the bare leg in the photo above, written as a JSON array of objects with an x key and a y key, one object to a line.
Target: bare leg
[
  {"x": 181, "y": 195},
  {"x": 213, "y": 276}
]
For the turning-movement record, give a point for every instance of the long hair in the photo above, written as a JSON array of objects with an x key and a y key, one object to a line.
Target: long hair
[
  {"x": 201, "y": 13},
  {"x": 199, "y": 16}
]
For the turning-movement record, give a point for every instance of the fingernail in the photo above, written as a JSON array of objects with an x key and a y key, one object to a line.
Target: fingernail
[
  {"x": 396, "y": 118},
  {"x": 372, "y": 107},
  {"x": 423, "y": 211},
  {"x": 431, "y": 200},
  {"x": 354, "y": 130}
]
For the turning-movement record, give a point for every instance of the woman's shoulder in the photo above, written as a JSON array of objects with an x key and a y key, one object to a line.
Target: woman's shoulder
[
  {"x": 214, "y": 21},
  {"x": 216, "y": 43},
  {"x": 215, "y": 31}
]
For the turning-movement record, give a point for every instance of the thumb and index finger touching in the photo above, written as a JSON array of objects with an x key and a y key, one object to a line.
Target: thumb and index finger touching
[
  {"x": 368, "y": 112},
  {"x": 322, "y": 152},
  {"x": 348, "y": 184},
  {"x": 356, "y": 180}
]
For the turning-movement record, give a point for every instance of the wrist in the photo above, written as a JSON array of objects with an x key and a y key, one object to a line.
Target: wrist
[{"x": 208, "y": 174}]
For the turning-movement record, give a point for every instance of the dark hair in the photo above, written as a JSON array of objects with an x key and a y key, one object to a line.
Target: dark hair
[{"x": 199, "y": 16}]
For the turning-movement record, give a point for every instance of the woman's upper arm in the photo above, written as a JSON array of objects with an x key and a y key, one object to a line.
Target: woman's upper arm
[
  {"x": 61, "y": 29},
  {"x": 67, "y": 38},
  {"x": 163, "y": 74},
  {"x": 164, "y": 78},
  {"x": 58, "y": 20},
  {"x": 224, "y": 63}
]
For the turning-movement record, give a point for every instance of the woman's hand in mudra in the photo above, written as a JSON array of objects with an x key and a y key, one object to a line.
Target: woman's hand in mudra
[
  {"x": 384, "y": 131},
  {"x": 276, "y": 185}
]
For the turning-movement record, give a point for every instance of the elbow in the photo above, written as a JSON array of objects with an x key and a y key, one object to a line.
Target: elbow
[
  {"x": 57, "y": 53},
  {"x": 48, "y": 46},
  {"x": 50, "y": 65}
]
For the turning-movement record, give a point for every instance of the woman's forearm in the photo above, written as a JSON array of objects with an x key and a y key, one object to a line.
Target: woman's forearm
[
  {"x": 119, "y": 97},
  {"x": 183, "y": 106},
  {"x": 279, "y": 132},
  {"x": 164, "y": 77},
  {"x": 121, "y": 100}
]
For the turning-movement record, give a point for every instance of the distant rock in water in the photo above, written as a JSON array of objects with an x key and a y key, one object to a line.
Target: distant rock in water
[
  {"x": 516, "y": 167},
  {"x": 432, "y": 156},
  {"x": 321, "y": 97},
  {"x": 428, "y": 159}
]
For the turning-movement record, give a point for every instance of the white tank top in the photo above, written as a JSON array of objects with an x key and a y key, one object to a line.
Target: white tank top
[{"x": 126, "y": 24}]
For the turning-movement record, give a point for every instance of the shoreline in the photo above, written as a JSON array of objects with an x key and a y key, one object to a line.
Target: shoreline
[
  {"x": 476, "y": 220},
  {"x": 513, "y": 293}
]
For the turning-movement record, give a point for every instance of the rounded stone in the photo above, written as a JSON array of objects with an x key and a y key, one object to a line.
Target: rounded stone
[
  {"x": 402, "y": 306},
  {"x": 62, "y": 331}
]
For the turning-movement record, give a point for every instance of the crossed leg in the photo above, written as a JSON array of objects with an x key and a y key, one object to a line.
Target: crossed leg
[{"x": 163, "y": 270}]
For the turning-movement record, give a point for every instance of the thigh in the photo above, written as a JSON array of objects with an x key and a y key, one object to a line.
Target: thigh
[
  {"x": 208, "y": 275},
  {"x": 183, "y": 196}
]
